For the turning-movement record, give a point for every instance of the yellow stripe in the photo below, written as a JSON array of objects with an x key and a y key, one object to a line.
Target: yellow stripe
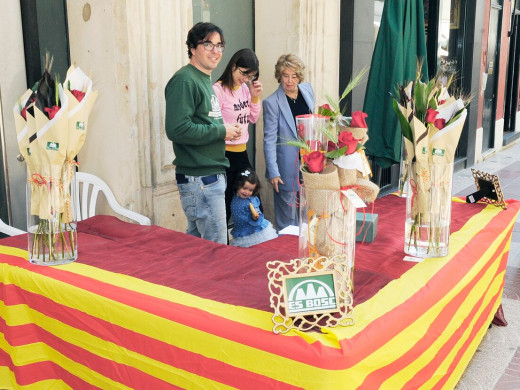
[
  {"x": 468, "y": 354},
  {"x": 40, "y": 352},
  {"x": 30, "y": 353},
  {"x": 8, "y": 250},
  {"x": 8, "y": 382},
  {"x": 403, "y": 376},
  {"x": 225, "y": 350}
]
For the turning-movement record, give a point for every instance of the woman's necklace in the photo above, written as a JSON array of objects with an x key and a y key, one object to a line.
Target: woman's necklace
[{"x": 293, "y": 99}]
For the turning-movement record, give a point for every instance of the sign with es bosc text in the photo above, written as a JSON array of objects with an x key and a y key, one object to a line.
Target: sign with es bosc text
[{"x": 310, "y": 293}]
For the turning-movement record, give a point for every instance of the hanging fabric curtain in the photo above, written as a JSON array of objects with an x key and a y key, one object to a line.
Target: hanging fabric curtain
[{"x": 401, "y": 42}]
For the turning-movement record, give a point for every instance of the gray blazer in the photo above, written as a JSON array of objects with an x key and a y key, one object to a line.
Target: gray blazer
[{"x": 279, "y": 127}]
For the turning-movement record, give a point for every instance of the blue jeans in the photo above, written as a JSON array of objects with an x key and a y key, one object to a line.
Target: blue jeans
[{"x": 203, "y": 202}]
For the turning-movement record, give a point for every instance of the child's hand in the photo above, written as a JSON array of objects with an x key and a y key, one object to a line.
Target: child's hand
[{"x": 254, "y": 214}]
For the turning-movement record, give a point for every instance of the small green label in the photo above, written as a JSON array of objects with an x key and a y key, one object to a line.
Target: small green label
[
  {"x": 53, "y": 145},
  {"x": 310, "y": 293},
  {"x": 424, "y": 150},
  {"x": 80, "y": 125},
  {"x": 437, "y": 152},
  {"x": 28, "y": 151}
]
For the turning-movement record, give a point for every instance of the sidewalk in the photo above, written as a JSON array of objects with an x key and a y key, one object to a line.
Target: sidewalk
[{"x": 496, "y": 363}]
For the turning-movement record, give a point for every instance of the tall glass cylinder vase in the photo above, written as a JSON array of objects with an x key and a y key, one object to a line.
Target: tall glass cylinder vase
[
  {"x": 51, "y": 221},
  {"x": 327, "y": 226},
  {"x": 428, "y": 210}
]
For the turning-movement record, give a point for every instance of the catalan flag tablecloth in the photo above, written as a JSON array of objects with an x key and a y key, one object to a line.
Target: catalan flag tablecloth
[{"x": 149, "y": 308}]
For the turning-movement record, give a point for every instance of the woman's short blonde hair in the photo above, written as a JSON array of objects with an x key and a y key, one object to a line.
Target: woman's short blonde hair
[{"x": 289, "y": 61}]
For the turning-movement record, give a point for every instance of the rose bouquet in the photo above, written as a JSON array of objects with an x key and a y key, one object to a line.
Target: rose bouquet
[
  {"x": 431, "y": 122},
  {"x": 48, "y": 142}
]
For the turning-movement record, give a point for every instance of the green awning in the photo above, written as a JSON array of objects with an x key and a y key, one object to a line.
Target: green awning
[{"x": 401, "y": 42}]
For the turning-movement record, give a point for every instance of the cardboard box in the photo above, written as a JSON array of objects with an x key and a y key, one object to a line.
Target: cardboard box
[{"x": 369, "y": 224}]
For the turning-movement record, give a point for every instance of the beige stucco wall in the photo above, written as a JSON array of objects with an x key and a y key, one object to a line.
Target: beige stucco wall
[
  {"x": 303, "y": 28},
  {"x": 131, "y": 48}
]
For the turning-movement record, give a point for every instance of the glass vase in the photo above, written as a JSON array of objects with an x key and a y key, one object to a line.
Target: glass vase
[
  {"x": 51, "y": 222},
  {"x": 327, "y": 226},
  {"x": 428, "y": 210}
]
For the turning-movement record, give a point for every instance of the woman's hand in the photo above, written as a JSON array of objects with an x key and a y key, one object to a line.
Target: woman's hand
[
  {"x": 255, "y": 88},
  {"x": 274, "y": 182},
  {"x": 233, "y": 131}
]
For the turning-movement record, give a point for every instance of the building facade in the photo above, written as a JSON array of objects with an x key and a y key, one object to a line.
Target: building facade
[{"x": 130, "y": 49}]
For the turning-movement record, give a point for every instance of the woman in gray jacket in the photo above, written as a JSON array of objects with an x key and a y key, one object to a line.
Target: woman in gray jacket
[{"x": 292, "y": 98}]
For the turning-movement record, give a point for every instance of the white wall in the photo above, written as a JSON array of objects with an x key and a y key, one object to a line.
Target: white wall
[{"x": 12, "y": 86}]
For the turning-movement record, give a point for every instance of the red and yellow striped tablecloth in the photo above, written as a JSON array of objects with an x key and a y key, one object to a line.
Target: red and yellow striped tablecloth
[{"x": 135, "y": 321}]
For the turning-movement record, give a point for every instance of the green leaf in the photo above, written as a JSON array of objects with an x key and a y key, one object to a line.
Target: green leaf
[
  {"x": 405, "y": 126},
  {"x": 299, "y": 143},
  {"x": 420, "y": 98},
  {"x": 336, "y": 153},
  {"x": 353, "y": 83}
]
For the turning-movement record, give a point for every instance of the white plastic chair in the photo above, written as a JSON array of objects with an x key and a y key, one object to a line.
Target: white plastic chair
[
  {"x": 9, "y": 230},
  {"x": 87, "y": 197}
]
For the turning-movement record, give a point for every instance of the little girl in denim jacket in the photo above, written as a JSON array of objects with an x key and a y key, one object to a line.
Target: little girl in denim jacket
[{"x": 250, "y": 226}]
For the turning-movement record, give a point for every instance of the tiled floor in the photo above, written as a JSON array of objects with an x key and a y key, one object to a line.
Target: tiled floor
[{"x": 505, "y": 164}]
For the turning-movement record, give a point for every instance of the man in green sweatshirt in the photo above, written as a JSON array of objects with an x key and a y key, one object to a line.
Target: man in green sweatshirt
[{"x": 194, "y": 125}]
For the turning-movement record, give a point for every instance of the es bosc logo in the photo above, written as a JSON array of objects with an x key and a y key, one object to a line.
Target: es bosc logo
[{"x": 309, "y": 294}]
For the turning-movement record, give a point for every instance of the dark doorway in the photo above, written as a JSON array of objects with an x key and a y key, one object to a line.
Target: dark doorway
[
  {"x": 44, "y": 25},
  {"x": 513, "y": 73},
  {"x": 490, "y": 78}
]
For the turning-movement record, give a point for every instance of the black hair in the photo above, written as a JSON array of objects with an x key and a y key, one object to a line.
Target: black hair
[
  {"x": 247, "y": 175},
  {"x": 200, "y": 32},
  {"x": 244, "y": 58}
]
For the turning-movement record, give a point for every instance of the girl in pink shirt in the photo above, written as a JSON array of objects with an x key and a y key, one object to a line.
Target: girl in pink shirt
[{"x": 238, "y": 91}]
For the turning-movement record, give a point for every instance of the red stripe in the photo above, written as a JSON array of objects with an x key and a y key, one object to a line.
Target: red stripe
[
  {"x": 33, "y": 373},
  {"x": 144, "y": 345},
  {"x": 386, "y": 327},
  {"x": 294, "y": 347},
  {"x": 482, "y": 321},
  {"x": 375, "y": 379},
  {"x": 30, "y": 333}
]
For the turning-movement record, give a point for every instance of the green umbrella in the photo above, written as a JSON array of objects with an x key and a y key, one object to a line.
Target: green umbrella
[{"x": 400, "y": 45}]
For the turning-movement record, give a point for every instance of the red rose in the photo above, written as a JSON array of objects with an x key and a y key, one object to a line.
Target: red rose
[
  {"x": 331, "y": 146},
  {"x": 52, "y": 111},
  {"x": 314, "y": 144},
  {"x": 358, "y": 119},
  {"x": 314, "y": 161},
  {"x": 440, "y": 123},
  {"x": 346, "y": 138},
  {"x": 326, "y": 107},
  {"x": 23, "y": 113},
  {"x": 79, "y": 95},
  {"x": 431, "y": 114},
  {"x": 441, "y": 102}
]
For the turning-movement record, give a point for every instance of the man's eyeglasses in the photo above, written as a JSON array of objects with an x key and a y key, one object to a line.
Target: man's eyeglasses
[
  {"x": 248, "y": 77},
  {"x": 210, "y": 46}
]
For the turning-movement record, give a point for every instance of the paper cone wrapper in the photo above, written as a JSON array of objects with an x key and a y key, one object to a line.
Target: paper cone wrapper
[
  {"x": 443, "y": 143},
  {"x": 52, "y": 135},
  {"x": 22, "y": 127},
  {"x": 78, "y": 111},
  {"x": 420, "y": 136},
  {"x": 421, "y": 188}
]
